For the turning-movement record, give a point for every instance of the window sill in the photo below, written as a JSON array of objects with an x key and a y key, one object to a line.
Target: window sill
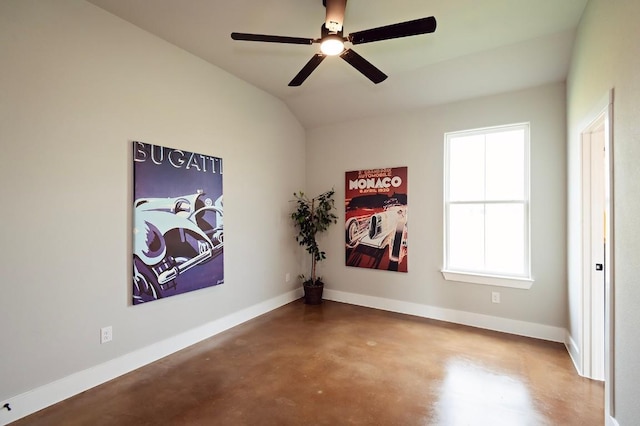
[{"x": 495, "y": 280}]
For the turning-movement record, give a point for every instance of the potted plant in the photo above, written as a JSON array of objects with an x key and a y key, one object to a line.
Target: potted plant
[{"x": 313, "y": 216}]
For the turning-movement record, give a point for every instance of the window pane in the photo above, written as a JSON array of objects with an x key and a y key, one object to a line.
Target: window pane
[
  {"x": 505, "y": 165},
  {"x": 486, "y": 196},
  {"x": 466, "y": 237},
  {"x": 505, "y": 238},
  {"x": 466, "y": 168}
]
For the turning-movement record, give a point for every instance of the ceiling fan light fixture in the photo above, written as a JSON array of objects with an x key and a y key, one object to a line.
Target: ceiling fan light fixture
[{"x": 332, "y": 45}]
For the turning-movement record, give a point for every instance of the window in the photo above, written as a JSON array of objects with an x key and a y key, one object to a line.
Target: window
[{"x": 487, "y": 206}]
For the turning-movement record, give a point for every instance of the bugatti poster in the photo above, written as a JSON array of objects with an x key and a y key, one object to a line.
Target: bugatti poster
[
  {"x": 376, "y": 218},
  {"x": 177, "y": 222}
]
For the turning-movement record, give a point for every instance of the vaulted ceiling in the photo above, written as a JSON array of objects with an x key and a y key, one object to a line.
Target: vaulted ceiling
[{"x": 479, "y": 48}]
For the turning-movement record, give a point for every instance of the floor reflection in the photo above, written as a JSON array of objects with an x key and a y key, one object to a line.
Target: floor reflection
[{"x": 472, "y": 394}]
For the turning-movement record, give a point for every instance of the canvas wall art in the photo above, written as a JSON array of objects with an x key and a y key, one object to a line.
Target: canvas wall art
[
  {"x": 177, "y": 222},
  {"x": 376, "y": 219}
]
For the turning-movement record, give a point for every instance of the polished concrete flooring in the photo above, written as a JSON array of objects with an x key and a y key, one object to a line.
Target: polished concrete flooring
[{"x": 339, "y": 364}]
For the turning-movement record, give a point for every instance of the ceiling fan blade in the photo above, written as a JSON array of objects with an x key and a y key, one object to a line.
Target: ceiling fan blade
[
  {"x": 402, "y": 29},
  {"x": 307, "y": 69},
  {"x": 271, "y": 38},
  {"x": 335, "y": 14},
  {"x": 364, "y": 66}
]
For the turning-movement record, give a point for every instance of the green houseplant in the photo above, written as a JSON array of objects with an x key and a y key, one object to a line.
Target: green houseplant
[{"x": 311, "y": 217}]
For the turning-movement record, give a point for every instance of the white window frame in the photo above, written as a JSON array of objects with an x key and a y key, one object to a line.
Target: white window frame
[{"x": 524, "y": 281}]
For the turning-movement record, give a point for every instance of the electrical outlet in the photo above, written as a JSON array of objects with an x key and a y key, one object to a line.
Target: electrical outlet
[
  {"x": 495, "y": 297},
  {"x": 287, "y": 277},
  {"x": 106, "y": 334}
]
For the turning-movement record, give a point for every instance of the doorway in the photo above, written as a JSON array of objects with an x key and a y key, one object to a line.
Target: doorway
[
  {"x": 595, "y": 246},
  {"x": 597, "y": 251}
]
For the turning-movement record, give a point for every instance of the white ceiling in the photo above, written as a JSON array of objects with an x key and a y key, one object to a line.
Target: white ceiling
[{"x": 479, "y": 48}]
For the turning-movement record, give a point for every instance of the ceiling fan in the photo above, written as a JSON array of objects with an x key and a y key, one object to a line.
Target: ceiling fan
[{"x": 332, "y": 41}]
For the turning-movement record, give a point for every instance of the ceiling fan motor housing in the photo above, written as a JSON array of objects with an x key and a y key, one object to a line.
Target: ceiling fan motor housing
[{"x": 324, "y": 31}]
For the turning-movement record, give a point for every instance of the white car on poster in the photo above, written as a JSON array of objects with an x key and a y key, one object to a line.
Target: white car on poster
[
  {"x": 171, "y": 236},
  {"x": 386, "y": 229}
]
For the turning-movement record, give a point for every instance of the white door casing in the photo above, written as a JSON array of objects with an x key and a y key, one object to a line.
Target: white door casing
[{"x": 597, "y": 328}]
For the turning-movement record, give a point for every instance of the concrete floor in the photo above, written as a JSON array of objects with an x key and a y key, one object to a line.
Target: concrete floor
[{"x": 339, "y": 364}]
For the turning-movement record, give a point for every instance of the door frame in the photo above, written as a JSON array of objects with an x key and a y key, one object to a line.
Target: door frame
[{"x": 603, "y": 116}]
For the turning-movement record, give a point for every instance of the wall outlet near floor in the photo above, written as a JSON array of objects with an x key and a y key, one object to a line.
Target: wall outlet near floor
[
  {"x": 495, "y": 297},
  {"x": 106, "y": 334},
  {"x": 287, "y": 277}
]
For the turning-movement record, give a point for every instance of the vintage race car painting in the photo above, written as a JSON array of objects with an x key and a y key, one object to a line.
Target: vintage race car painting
[
  {"x": 376, "y": 219},
  {"x": 178, "y": 230}
]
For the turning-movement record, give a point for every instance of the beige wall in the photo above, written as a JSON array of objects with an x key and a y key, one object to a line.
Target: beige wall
[
  {"x": 76, "y": 86},
  {"x": 605, "y": 57},
  {"x": 416, "y": 140}
]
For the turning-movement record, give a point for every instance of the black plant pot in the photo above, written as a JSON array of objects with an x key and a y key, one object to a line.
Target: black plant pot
[{"x": 313, "y": 293}]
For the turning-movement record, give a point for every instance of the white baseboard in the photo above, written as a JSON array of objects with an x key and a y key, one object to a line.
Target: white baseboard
[
  {"x": 611, "y": 421},
  {"x": 574, "y": 353},
  {"x": 505, "y": 325},
  {"x": 29, "y": 402}
]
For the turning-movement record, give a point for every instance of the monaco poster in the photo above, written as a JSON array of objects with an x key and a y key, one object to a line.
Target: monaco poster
[
  {"x": 376, "y": 219},
  {"x": 177, "y": 222}
]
